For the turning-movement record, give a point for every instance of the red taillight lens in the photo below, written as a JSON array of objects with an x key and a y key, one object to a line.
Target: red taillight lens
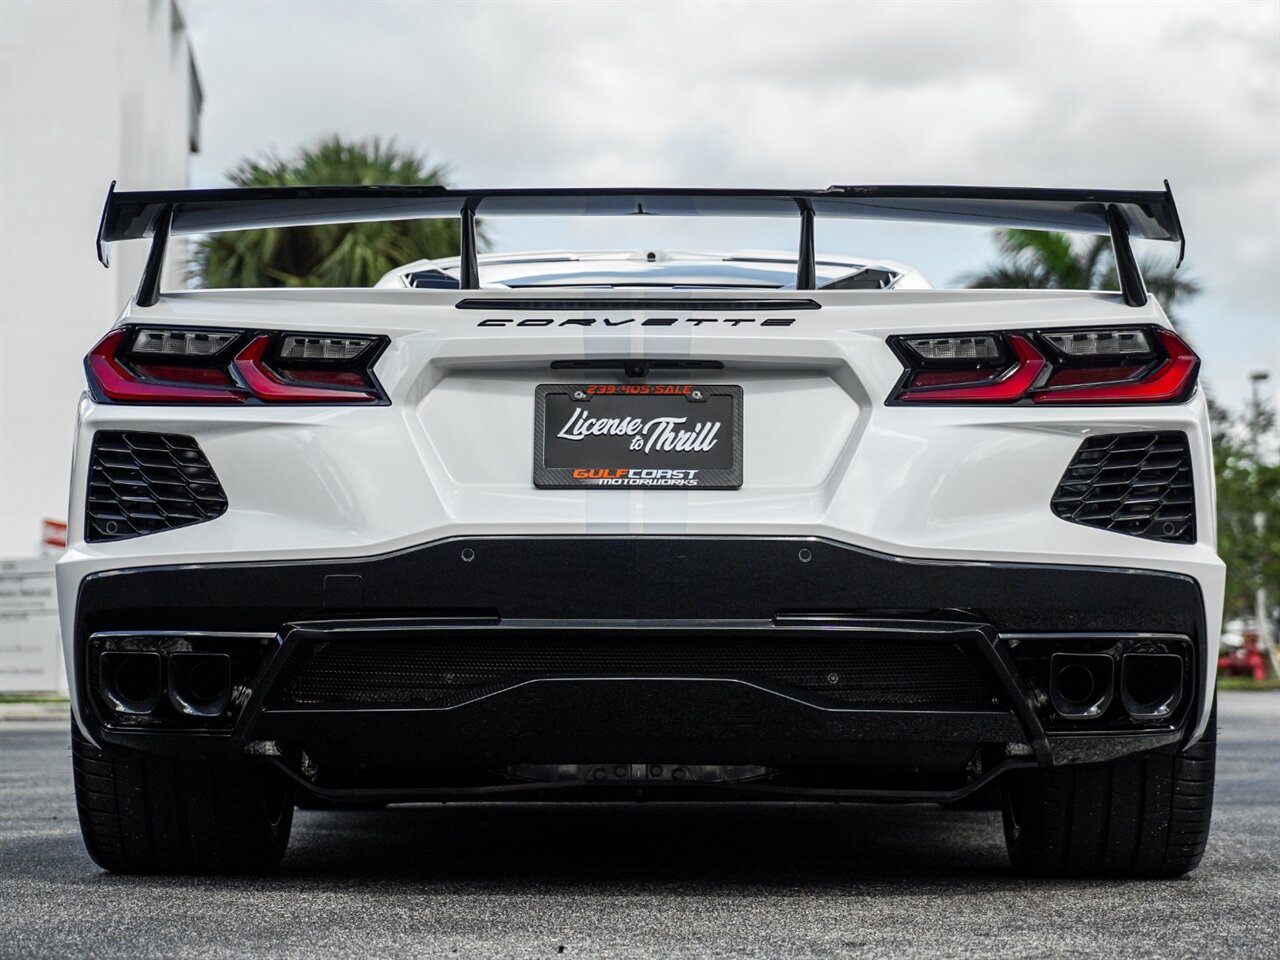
[
  {"x": 1121, "y": 365},
  {"x": 115, "y": 381},
  {"x": 146, "y": 365},
  {"x": 1075, "y": 376},
  {"x": 200, "y": 375}
]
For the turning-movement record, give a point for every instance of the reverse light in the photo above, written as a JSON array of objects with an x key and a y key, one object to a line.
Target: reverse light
[
  {"x": 1099, "y": 343},
  {"x": 323, "y": 348},
  {"x": 193, "y": 365},
  {"x": 1108, "y": 365},
  {"x": 955, "y": 348},
  {"x": 181, "y": 343}
]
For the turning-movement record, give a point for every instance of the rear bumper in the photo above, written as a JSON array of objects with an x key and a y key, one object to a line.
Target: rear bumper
[{"x": 628, "y": 596}]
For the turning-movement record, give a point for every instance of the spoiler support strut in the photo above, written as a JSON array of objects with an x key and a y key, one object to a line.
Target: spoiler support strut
[
  {"x": 149, "y": 286},
  {"x": 807, "y": 260},
  {"x": 469, "y": 262},
  {"x": 1132, "y": 288}
]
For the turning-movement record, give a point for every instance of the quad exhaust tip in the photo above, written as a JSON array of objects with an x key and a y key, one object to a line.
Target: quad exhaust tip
[
  {"x": 1150, "y": 684},
  {"x": 130, "y": 681},
  {"x": 135, "y": 683},
  {"x": 200, "y": 683},
  {"x": 1081, "y": 685}
]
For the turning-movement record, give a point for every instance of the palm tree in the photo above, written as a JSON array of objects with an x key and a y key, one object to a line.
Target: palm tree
[
  {"x": 333, "y": 255},
  {"x": 1042, "y": 259}
]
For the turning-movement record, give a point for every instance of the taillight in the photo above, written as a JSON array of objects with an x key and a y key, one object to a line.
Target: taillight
[
  {"x": 114, "y": 379},
  {"x": 151, "y": 365},
  {"x": 987, "y": 382},
  {"x": 1122, "y": 365},
  {"x": 299, "y": 385},
  {"x": 1165, "y": 372}
]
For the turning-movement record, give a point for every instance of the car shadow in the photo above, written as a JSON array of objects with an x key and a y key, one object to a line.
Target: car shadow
[{"x": 689, "y": 847}]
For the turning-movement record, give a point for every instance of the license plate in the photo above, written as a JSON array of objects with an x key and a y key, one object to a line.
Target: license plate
[{"x": 656, "y": 436}]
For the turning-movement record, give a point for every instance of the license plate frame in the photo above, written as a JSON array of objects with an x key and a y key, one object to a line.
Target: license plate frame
[{"x": 689, "y": 436}]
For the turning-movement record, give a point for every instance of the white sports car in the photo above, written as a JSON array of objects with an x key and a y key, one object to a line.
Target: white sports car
[{"x": 647, "y": 525}]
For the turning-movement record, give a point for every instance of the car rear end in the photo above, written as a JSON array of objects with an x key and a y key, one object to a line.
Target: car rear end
[{"x": 405, "y": 544}]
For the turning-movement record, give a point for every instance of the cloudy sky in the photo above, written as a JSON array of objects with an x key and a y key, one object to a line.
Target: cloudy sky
[{"x": 795, "y": 95}]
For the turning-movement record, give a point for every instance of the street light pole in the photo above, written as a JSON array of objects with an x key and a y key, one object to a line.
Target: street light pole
[
  {"x": 1255, "y": 409},
  {"x": 1261, "y": 608}
]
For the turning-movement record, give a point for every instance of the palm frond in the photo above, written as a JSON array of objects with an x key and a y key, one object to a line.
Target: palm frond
[
  {"x": 1041, "y": 259},
  {"x": 339, "y": 255}
]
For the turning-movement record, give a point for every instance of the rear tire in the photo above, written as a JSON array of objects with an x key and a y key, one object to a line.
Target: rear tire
[
  {"x": 1141, "y": 816},
  {"x": 146, "y": 814}
]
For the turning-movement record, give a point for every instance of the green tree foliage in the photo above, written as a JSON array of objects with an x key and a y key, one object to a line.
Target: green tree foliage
[
  {"x": 1040, "y": 259},
  {"x": 1248, "y": 485},
  {"x": 333, "y": 255},
  {"x": 1248, "y": 513}
]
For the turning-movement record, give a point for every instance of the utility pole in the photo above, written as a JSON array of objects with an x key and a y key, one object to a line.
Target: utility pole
[
  {"x": 1261, "y": 608},
  {"x": 1255, "y": 409}
]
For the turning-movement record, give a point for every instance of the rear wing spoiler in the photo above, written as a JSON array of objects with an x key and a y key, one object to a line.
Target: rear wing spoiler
[{"x": 1146, "y": 214}]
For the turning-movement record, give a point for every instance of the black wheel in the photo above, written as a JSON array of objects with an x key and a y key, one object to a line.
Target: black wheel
[
  {"x": 1141, "y": 816},
  {"x": 147, "y": 814}
]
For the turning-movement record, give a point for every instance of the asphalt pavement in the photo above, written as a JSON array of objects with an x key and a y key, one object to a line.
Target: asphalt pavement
[{"x": 627, "y": 880}]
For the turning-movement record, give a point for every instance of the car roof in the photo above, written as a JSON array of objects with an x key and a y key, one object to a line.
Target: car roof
[{"x": 762, "y": 269}]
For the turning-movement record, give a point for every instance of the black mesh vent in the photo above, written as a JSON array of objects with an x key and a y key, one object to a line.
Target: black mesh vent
[
  {"x": 445, "y": 671},
  {"x": 145, "y": 482},
  {"x": 1134, "y": 483}
]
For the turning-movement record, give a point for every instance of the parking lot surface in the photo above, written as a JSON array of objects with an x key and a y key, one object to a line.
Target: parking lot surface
[{"x": 640, "y": 880}]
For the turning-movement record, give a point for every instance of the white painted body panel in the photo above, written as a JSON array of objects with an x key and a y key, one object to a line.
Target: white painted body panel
[{"x": 824, "y": 456}]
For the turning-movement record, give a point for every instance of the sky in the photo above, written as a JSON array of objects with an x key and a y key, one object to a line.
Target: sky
[{"x": 795, "y": 95}]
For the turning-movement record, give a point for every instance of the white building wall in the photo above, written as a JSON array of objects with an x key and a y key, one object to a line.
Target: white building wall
[{"x": 89, "y": 92}]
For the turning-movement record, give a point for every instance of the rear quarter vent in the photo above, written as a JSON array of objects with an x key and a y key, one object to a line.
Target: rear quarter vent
[
  {"x": 142, "y": 483},
  {"x": 1138, "y": 484}
]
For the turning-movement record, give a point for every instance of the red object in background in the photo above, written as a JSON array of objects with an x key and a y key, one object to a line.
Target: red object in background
[
  {"x": 53, "y": 533},
  {"x": 1247, "y": 661}
]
